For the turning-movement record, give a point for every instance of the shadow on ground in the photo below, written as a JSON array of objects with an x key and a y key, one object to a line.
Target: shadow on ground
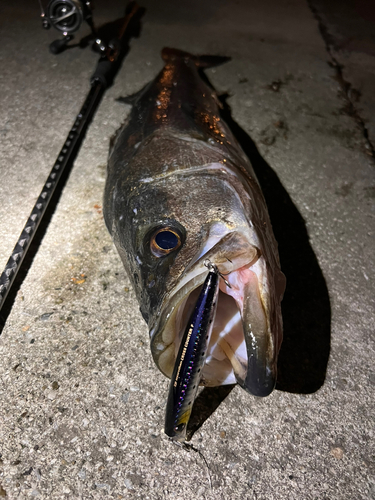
[{"x": 306, "y": 307}]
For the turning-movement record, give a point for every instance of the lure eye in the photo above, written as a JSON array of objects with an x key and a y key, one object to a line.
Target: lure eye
[
  {"x": 165, "y": 241},
  {"x": 179, "y": 428}
]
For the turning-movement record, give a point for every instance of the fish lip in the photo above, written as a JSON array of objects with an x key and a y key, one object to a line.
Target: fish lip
[
  {"x": 257, "y": 386},
  {"x": 169, "y": 300}
]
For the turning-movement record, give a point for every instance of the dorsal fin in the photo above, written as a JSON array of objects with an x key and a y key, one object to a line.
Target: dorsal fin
[
  {"x": 169, "y": 54},
  {"x": 132, "y": 99}
]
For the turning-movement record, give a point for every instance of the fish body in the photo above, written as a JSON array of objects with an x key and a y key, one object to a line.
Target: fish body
[
  {"x": 191, "y": 358},
  {"x": 180, "y": 190}
]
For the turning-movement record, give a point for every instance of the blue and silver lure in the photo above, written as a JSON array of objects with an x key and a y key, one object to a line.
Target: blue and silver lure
[{"x": 191, "y": 357}]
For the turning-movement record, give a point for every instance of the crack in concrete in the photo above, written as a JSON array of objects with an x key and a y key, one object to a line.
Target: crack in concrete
[{"x": 348, "y": 93}]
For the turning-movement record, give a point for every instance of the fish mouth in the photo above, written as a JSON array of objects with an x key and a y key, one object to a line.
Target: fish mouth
[{"x": 246, "y": 334}]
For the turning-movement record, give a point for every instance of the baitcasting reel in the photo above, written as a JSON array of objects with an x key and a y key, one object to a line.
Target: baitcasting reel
[{"x": 67, "y": 16}]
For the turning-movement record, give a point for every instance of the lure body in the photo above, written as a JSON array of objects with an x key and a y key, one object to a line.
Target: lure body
[{"x": 191, "y": 358}]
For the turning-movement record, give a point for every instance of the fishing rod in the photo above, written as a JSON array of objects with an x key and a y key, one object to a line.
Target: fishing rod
[{"x": 107, "y": 66}]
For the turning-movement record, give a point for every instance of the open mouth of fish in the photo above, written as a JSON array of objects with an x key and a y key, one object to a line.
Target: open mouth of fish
[{"x": 243, "y": 348}]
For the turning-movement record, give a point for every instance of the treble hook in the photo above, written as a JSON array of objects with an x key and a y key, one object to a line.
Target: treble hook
[{"x": 213, "y": 267}]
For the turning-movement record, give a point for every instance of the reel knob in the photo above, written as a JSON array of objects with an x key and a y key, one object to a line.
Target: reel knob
[{"x": 60, "y": 45}]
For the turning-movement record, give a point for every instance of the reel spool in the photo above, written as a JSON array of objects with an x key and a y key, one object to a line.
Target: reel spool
[{"x": 66, "y": 16}]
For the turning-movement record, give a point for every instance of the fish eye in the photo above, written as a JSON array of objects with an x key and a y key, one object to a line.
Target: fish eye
[{"x": 164, "y": 241}]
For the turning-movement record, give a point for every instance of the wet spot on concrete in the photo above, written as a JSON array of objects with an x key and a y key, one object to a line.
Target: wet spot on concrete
[
  {"x": 345, "y": 189},
  {"x": 277, "y": 129},
  {"x": 369, "y": 192},
  {"x": 268, "y": 137},
  {"x": 346, "y": 136},
  {"x": 275, "y": 85}
]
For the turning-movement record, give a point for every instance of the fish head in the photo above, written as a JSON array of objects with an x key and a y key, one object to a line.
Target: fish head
[{"x": 165, "y": 227}]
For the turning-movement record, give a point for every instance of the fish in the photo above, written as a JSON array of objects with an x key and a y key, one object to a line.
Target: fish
[
  {"x": 191, "y": 358},
  {"x": 180, "y": 190}
]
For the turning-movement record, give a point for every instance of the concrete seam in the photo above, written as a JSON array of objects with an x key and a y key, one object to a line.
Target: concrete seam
[{"x": 348, "y": 93}]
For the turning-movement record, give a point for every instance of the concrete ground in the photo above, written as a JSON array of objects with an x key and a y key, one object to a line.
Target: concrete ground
[{"x": 81, "y": 401}]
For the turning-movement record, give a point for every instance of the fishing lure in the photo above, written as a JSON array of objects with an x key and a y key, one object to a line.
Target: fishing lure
[{"x": 191, "y": 357}]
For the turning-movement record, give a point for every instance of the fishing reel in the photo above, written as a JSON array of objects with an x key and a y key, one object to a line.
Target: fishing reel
[{"x": 67, "y": 16}]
